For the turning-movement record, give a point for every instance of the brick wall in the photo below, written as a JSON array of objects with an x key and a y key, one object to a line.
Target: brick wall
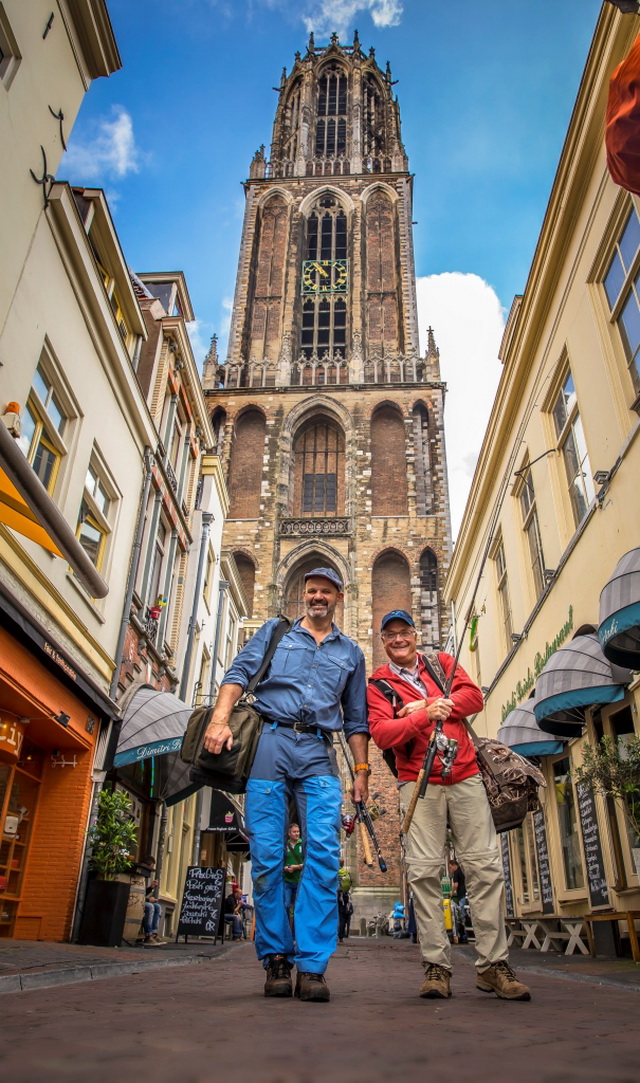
[{"x": 245, "y": 472}]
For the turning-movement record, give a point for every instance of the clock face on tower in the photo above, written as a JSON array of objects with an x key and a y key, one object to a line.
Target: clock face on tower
[{"x": 325, "y": 276}]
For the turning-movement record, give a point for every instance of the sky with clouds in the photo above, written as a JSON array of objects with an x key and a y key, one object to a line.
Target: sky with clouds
[{"x": 485, "y": 91}]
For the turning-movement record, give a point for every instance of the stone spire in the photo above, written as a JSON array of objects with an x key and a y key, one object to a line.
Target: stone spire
[
  {"x": 211, "y": 366},
  {"x": 432, "y": 357}
]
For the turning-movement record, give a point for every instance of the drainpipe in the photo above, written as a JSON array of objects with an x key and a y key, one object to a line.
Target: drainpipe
[{"x": 114, "y": 727}]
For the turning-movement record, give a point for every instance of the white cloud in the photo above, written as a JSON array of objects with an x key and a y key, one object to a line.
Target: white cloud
[
  {"x": 468, "y": 321},
  {"x": 110, "y": 153},
  {"x": 338, "y": 15},
  {"x": 200, "y": 334}
]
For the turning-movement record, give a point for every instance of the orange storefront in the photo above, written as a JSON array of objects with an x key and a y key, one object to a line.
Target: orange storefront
[{"x": 50, "y": 719}]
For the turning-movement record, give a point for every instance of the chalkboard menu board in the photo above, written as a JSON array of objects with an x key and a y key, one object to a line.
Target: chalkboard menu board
[
  {"x": 506, "y": 869},
  {"x": 201, "y": 901},
  {"x": 546, "y": 890},
  {"x": 596, "y": 879}
]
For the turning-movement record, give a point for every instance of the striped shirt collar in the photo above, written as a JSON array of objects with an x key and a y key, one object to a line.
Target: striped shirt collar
[{"x": 411, "y": 676}]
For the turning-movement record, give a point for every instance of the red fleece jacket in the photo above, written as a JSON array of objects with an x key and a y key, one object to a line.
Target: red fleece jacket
[{"x": 391, "y": 732}]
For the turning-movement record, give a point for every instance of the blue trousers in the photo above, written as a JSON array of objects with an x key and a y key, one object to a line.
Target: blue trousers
[{"x": 302, "y": 766}]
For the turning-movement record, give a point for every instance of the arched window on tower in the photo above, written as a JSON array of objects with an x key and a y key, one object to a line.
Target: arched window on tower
[
  {"x": 293, "y": 594},
  {"x": 218, "y": 424},
  {"x": 372, "y": 119},
  {"x": 390, "y": 589},
  {"x": 268, "y": 279},
  {"x": 331, "y": 119},
  {"x": 245, "y": 470},
  {"x": 292, "y": 124},
  {"x": 388, "y": 463},
  {"x": 422, "y": 445},
  {"x": 383, "y": 325},
  {"x": 325, "y": 281},
  {"x": 429, "y": 600},
  {"x": 247, "y": 573},
  {"x": 318, "y": 470}
]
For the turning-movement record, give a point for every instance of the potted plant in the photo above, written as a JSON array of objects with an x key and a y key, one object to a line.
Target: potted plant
[
  {"x": 613, "y": 770},
  {"x": 112, "y": 838}
]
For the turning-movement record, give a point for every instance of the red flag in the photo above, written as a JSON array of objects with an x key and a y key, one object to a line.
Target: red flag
[{"x": 622, "y": 124}]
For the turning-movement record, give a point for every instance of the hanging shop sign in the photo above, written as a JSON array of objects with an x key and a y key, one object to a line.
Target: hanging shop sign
[{"x": 11, "y": 738}]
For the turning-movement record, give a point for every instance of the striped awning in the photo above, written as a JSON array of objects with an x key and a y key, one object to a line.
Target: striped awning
[
  {"x": 577, "y": 676},
  {"x": 619, "y": 631},
  {"x": 521, "y": 732},
  {"x": 154, "y": 724}
]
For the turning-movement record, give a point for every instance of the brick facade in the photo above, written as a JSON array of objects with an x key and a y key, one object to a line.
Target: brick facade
[{"x": 370, "y": 498}]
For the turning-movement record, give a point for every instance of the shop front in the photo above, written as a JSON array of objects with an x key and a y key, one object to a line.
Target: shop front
[
  {"x": 574, "y": 858},
  {"x": 48, "y": 732}
]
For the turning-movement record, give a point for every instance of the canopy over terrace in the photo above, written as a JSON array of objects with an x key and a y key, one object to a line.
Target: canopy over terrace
[
  {"x": 577, "y": 676},
  {"x": 521, "y": 732},
  {"x": 619, "y": 631}
]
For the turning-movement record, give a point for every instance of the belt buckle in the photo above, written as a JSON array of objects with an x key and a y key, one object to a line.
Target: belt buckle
[{"x": 299, "y": 727}]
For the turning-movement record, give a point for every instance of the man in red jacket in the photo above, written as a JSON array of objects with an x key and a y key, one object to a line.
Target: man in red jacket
[{"x": 459, "y": 798}]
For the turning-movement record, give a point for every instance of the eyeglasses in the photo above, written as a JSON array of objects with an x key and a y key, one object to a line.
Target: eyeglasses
[{"x": 404, "y": 636}]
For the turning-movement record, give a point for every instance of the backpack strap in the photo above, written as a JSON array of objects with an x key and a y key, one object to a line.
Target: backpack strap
[
  {"x": 388, "y": 692},
  {"x": 434, "y": 669},
  {"x": 279, "y": 631}
]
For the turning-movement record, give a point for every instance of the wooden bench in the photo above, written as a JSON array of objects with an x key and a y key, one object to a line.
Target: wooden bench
[
  {"x": 565, "y": 932},
  {"x": 630, "y": 916},
  {"x": 547, "y": 933}
]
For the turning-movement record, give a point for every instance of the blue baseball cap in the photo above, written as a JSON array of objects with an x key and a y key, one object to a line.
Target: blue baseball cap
[
  {"x": 397, "y": 614},
  {"x": 325, "y": 573}
]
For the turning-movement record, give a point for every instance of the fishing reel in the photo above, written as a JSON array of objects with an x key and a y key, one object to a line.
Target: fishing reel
[
  {"x": 348, "y": 822},
  {"x": 447, "y": 748}
]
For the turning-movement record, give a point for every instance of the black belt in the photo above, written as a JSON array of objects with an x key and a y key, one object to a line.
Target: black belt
[{"x": 304, "y": 727}]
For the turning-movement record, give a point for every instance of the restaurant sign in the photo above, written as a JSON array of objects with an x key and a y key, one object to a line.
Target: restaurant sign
[{"x": 524, "y": 686}]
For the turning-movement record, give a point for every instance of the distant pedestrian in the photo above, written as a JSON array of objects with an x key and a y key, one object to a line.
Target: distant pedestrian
[
  {"x": 345, "y": 912},
  {"x": 152, "y": 908},
  {"x": 459, "y": 896},
  {"x": 293, "y": 864},
  {"x": 233, "y": 913}
]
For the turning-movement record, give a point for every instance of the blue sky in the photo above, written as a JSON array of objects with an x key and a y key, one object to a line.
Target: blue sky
[{"x": 486, "y": 89}]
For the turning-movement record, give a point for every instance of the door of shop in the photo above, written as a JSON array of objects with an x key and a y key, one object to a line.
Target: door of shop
[{"x": 19, "y": 792}]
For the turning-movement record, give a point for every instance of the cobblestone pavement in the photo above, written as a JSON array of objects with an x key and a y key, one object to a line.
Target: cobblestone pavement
[{"x": 208, "y": 1022}]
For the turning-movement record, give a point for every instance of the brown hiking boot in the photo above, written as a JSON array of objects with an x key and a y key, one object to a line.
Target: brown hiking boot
[
  {"x": 278, "y": 983},
  {"x": 500, "y": 979},
  {"x": 437, "y": 982},
  {"x": 311, "y": 987}
]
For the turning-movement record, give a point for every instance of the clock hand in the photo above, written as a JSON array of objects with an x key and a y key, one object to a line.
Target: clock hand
[{"x": 321, "y": 269}]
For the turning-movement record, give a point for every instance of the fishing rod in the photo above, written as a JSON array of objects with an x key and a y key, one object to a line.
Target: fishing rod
[{"x": 363, "y": 816}]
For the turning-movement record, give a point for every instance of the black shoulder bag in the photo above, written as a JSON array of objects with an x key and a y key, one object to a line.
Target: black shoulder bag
[{"x": 229, "y": 770}]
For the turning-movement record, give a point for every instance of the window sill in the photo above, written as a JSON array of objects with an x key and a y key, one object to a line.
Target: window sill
[{"x": 86, "y": 598}]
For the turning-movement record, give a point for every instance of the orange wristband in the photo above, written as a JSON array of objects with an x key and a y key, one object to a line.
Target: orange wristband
[{"x": 361, "y": 767}]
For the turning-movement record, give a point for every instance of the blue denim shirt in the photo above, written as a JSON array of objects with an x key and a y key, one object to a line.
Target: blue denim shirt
[{"x": 320, "y": 684}]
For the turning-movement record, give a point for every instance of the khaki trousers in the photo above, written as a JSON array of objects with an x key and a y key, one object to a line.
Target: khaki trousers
[{"x": 465, "y": 806}]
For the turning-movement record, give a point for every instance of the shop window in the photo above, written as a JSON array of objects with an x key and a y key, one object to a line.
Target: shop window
[
  {"x": 622, "y": 289},
  {"x": 568, "y": 824},
  {"x": 10, "y": 56},
  {"x": 504, "y": 599},
  {"x": 572, "y": 445},
  {"x": 531, "y": 527},
  {"x": 45, "y": 423},
  {"x": 96, "y": 515},
  {"x": 526, "y": 849}
]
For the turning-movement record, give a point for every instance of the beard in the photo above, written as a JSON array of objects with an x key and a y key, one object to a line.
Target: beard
[{"x": 322, "y": 609}]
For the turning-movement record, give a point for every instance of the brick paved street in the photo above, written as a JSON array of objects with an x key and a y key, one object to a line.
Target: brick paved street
[{"x": 209, "y": 1022}]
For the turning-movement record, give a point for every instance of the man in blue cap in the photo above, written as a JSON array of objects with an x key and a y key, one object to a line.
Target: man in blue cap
[{"x": 315, "y": 686}]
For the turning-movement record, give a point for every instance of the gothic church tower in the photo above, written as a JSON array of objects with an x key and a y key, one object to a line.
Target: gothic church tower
[{"x": 328, "y": 422}]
